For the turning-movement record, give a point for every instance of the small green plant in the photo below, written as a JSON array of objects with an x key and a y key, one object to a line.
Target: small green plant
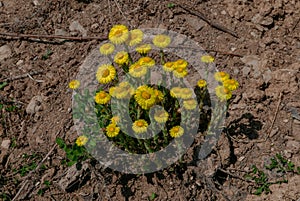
[
  {"x": 281, "y": 165},
  {"x": 5, "y": 197},
  {"x": 75, "y": 153},
  {"x": 262, "y": 181},
  {"x": 170, "y": 5},
  {"x": 47, "y": 54},
  {"x": 152, "y": 197},
  {"x": 3, "y": 84},
  {"x": 46, "y": 186}
]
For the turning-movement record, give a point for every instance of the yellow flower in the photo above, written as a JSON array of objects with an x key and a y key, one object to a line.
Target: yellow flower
[
  {"x": 223, "y": 93},
  {"x": 106, "y": 73},
  {"x": 74, "y": 84},
  {"x": 221, "y": 76},
  {"x": 231, "y": 84},
  {"x": 145, "y": 96},
  {"x": 176, "y": 131},
  {"x": 118, "y": 34},
  {"x": 102, "y": 97},
  {"x": 159, "y": 95},
  {"x": 81, "y": 140},
  {"x": 161, "y": 116},
  {"x": 143, "y": 49},
  {"x": 201, "y": 83},
  {"x": 161, "y": 41},
  {"x": 140, "y": 126},
  {"x": 185, "y": 93},
  {"x": 112, "y": 130},
  {"x": 123, "y": 90},
  {"x": 115, "y": 119},
  {"x": 137, "y": 70},
  {"x": 180, "y": 72},
  {"x": 168, "y": 66},
  {"x": 207, "y": 59},
  {"x": 146, "y": 61},
  {"x": 107, "y": 49},
  {"x": 190, "y": 104},
  {"x": 135, "y": 37},
  {"x": 175, "y": 92},
  {"x": 180, "y": 63},
  {"x": 121, "y": 58}
]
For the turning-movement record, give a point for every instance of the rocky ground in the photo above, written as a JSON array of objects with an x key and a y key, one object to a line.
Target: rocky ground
[{"x": 36, "y": 105}]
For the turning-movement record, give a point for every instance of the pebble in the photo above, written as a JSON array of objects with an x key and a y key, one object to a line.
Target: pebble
[
  {"x": 267, "y": 21},
  {"x": 20, "y": 62},
  {"x": 60, "y": 32},
  {"x": 34, "y": 105},
  {"x": 195, "y": 23},
  {"x": 5, "y": 144},
  {"x": 246, "y": 71},
  {"x": 267, "y": 76},
  {"x": 5, "y": 52},
  {"x": 76, "y": 26},
  {"x": 285, "y": 120},
  {"x": 36, "y": 2}
]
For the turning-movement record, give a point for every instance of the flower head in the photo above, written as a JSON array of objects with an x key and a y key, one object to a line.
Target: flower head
[
  {"x": 107, "y": 49},
  {"x": 145, "y": 96},
  {"x": 221, "y": 76},
  {"x": 118, "y": 34},
  {"x": 201, "y": 83},
  {"x": 115, "y": 119},
  {"x": 180, "y": 72},
  {"x": 231, "y": 84},
  {"x": 74, "y": 84},
  {"x": 176, "y": 131},
  {"x": 185, "y": 93},
  {"x": 223, "y": 93},
  {"x": 112, "y": 130},
  {"x": 161, "y": 116},
  {"x": 207, "y": 59},
  {"x": 137, "y": 70},
  {"x": 180, "y": 63},
  {"x": 175, "y": 92},
  {"x": 168, "y": 66},
  {"x": 190, "y": 104},
  {"x": 102, "y": 97},
  {"x": 140, "y": 126},
  {"x": 123, "y": 90},
  {"x": 135, "y": 37},
  {"x": 121, "y": 58},
  {"x": 106, "y": 73},
  {"x": 146, "y": 61},
  {"x": 143, "y": 49},
  {"x": 81, "y": 140},
  {"x": 159, "y": 95},
  {"x": 161, "y": 41}
]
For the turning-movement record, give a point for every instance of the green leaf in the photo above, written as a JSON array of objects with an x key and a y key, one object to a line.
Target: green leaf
[
  {"x": 61, "y": 143},
  {"x": 258, "y": 191},
  {"x": 3, "y": 84},
  {"x": 71, "y": 163}
]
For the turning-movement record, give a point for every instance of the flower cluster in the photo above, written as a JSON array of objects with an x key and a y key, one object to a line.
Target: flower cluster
[{"x": 142, "y": 97}]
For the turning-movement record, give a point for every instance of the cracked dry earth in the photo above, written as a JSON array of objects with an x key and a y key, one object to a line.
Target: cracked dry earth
[{"x": 262, "y": 120}]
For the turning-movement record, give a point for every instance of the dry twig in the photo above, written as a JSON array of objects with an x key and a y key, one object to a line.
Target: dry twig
[
  {"x": 190, "y": 10},
  {"x": 23, "y": 76}
]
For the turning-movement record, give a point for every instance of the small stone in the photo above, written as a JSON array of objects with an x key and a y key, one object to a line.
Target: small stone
[
  {"x": 20, "y": 62},
  {"x": 60, "y": 32},
  {"x": 246, "y": 71},
  {"x": 285, "y": 120},
  {"x": 195, "y": 23},
  {"x": 267, "y": 21},
  {"x": 1, "y": 4},
  {"x": 241, "y": 158},
  {"x": 223, "y": 12},
  {"x": 267, "y": 75},
  {"x": 274, "y": 132},
  {"x": 34, "y": 105},
  {"x": 76, "y": 26},
  {"x": 293, "y": 146},
  {"x": 5, "y": 52},
  {"x": 95, "y": 26},
  {"x": 5, "y": 144},
  {"x": 36, "y": 2},
  {"x": 257, "y": 18}
]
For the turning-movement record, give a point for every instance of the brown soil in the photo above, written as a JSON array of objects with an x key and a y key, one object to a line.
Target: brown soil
[{"x": 265, "y": 59}]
